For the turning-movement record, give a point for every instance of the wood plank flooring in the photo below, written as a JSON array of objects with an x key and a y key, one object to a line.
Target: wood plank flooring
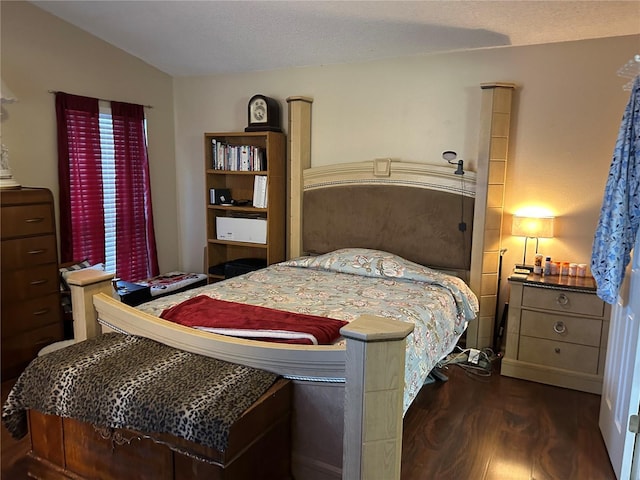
[
  {"x": 501, "y": 428},
  {"x": 473, "y": 428}
]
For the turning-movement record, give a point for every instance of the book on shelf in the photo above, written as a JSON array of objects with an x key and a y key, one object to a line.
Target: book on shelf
[
  {"x": 214, "y": 154},
  {"x": 245, "y": 158},
  {"x": 260, "y": 191},
  {"x": 260, "y": 162}
]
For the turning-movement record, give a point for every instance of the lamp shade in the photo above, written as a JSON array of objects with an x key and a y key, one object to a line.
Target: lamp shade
[{"x": 534, "y": 227}]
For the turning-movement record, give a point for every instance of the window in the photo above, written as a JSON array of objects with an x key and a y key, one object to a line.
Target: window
[
  {"x": 108, "y": 164},
  {"x": 105, "y": 194}
]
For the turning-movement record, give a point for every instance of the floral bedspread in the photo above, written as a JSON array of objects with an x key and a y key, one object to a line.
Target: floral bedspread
[{"x": 348, "y": 283}]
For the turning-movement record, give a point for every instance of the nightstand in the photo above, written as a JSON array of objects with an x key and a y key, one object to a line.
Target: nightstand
[{"x": 556, "y": 332}]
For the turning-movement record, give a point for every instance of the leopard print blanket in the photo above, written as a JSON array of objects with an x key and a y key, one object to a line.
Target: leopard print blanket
[{"x": 124, "y": 381}]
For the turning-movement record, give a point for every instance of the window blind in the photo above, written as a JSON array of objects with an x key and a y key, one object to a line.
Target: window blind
[{"x": 108, "y": 162}]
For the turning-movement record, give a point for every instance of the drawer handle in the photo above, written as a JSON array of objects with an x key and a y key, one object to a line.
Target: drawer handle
[
  {"x": 559, "y": 327},
  {"x": 41, "y": 312},
  {"x": 34, "y": 220},
  {"x": 37, "y": 282},
  {"x": 557, "y": 349},
  {"x": 562, "y": 299},
  {"x": 36, "y": 252}
]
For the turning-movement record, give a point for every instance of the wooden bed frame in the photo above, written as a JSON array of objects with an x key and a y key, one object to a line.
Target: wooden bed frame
[
  {"x": 347, "y": 401},
  {"x": 344, "y": 399},
  {"x": 367, "y": 377}
]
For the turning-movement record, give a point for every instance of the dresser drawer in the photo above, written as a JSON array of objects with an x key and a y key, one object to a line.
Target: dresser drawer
[
  {"x": 568, "y": 356},
  {"x": 20, "y": 317},
  {"x": 28, "y": 252},
  {"x": 562, "y": 301},
  {"x": 19, "y": 350},
  {"x": 34, "y": 282},
  {"x": 23, "y": 220},
  {"x": 585, "y": 331}
]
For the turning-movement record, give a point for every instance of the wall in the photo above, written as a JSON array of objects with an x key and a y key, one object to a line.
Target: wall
[
  {"x": 568, "y": 107},
  {"x": 41, "y": 53},
  {"x": 569, "y": 103}
]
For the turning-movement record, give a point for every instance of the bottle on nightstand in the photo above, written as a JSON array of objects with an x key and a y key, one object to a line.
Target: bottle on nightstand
[
  {"x": 537, "y": 266},
  {"x": 547, "y": 266}
]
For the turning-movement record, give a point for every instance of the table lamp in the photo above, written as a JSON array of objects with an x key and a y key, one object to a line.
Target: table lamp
[{"x": 531, "y": 227}]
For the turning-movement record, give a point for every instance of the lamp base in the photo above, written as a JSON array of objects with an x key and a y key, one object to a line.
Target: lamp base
[{"x": 528, "y": 268}]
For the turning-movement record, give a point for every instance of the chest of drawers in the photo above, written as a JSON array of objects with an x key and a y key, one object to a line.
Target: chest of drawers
[
  {"x": 30, "y": 289},
  {"x": 556, "y": 332}
]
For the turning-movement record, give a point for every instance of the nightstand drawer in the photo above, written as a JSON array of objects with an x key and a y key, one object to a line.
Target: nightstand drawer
[
  {"x": 562, "y": 301},
  {"x": 568, "y": 356},
  {"x": 585, "y": 331}
]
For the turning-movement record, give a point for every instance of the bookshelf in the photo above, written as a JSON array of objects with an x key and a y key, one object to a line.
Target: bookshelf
[{"x": 238, "y": 176}]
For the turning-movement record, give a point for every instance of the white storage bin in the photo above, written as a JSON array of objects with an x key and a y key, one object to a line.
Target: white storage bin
[{"x": 251, "y": 230}]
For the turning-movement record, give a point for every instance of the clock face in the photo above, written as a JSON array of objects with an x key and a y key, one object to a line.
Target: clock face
[
  {"x": 263, "y": 114},
  {"x": 259, "y": 111}
]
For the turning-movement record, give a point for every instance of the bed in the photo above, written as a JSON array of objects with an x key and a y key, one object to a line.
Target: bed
[
  {"x": 347, "y": 283},
  {"x": 348, "y": 398}
]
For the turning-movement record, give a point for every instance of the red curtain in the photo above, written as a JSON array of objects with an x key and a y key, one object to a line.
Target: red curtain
[
  {"x": 80, "y": 179},
  {"x": 134, "y": 218},
  {"x": 82, "y": 230}
]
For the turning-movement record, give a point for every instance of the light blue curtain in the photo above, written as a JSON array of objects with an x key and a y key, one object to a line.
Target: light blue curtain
[{"x": 620, "y": 213}]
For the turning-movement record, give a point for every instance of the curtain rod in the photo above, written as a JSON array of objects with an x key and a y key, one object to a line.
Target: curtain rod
[{"x": 102, "y": 99}]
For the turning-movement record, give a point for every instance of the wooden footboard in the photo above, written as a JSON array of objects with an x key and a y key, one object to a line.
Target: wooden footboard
[
  {"x": 347, "y": 414},
  {"x": 259, "y": 448}
]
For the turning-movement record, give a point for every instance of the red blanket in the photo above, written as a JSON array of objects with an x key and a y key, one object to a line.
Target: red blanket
[{"x": 250, "y": 321}]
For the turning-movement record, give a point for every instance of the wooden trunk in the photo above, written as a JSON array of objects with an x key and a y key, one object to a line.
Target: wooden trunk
[{"x": 259, "y": 448}]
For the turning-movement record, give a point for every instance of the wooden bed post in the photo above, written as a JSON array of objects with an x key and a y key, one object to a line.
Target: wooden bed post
[
  {"x": 299, "y": 160},
  {"x": 374, "y": 374},
  {"x": 84, "y": 285},
  {"x": 495, "y": 128}
]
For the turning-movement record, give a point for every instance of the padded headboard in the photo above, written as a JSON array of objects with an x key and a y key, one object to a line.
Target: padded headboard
[{"x": 421, "y": 212}]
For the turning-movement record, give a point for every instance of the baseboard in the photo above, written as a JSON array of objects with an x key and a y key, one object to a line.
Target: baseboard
[{"x": 551, "y": 376}]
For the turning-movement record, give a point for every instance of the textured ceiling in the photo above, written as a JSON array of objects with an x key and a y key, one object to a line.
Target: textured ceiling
[{"x": 184, "y": 38}]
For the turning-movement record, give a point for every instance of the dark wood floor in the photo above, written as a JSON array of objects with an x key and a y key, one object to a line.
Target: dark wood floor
[
  {"x": 501, "y": 428},
  {"x": 474, "y": 428}
]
